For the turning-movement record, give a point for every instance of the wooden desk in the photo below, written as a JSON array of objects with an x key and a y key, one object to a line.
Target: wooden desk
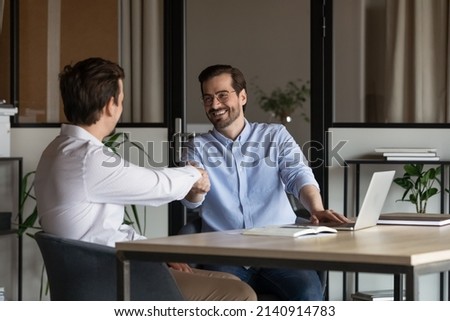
[{"x": 401, "y": 250}]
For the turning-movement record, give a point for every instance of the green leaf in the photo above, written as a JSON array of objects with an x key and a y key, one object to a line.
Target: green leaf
[
  {"x": 428, "y": 193},
  {"x": 413, "y": 169},
  {"x": 432, "y": 173},
  {"x": 29, "y": 222},
  {"x": 413, "y": 198},
  {"x": 134, "y": 218},
  {"x": 403, "y": 182},
  {"x": 405, "y": 194},
  {"x": 26, "y": 188}
]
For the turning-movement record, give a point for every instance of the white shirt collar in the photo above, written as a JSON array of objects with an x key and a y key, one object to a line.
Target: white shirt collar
[{"x": 78, "y": 132}]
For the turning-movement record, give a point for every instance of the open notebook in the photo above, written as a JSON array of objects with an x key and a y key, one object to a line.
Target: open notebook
[{"x": 288, "y": 230}]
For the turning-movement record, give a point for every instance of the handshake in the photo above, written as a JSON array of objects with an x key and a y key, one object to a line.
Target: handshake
[{"x": 200, "y": 187}]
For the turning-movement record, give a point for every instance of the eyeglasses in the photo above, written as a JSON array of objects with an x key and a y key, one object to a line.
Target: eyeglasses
[{"x": 222, "y": 96}]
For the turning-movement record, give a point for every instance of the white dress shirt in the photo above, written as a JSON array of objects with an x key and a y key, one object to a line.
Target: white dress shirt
[{"x": 81, "y": 188}]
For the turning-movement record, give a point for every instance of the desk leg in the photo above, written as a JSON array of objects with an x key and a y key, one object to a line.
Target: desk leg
[
  {"x": 358, "y": 175},
  {"x": 123, "y": 278},
  {"x": 448, "y": 285},
  {"x": 398, "y": 287},
  {"x": 344, "y": 274},
  {"x": 411, "y": 286},
  {"x": 344, "y": 286},
  {"x": 345, "y": 188}
]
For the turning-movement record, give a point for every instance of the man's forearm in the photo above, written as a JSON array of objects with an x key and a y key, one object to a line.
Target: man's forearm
[{"x": 311, "y": 199}]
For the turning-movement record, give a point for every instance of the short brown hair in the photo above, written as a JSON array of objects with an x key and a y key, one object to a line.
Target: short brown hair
[{"x": 86, "y": 88}]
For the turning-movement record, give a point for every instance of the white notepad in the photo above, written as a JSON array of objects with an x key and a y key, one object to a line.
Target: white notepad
[{"x": 289, "y": 230}]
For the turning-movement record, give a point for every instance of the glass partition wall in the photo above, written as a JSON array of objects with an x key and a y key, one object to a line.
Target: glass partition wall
[
  {"x": 391, "y": 61},
  {"x": 40, "y": 37}
]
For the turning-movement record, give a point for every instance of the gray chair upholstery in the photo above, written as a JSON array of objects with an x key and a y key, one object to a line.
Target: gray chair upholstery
[{"x": 83, "y": 271}]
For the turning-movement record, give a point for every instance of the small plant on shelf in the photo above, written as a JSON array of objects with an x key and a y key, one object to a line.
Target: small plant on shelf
[
  {"x": 282, "y": 103},
  {"x": 419, "y": 185}
]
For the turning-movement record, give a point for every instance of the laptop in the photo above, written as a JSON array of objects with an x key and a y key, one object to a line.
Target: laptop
[{"x": 372, "y": 204}]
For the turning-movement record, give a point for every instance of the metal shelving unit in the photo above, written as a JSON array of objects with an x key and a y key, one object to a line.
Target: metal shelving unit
[
  {"x": 18, "y": 164},
  {"x": 357, "y": 163}
]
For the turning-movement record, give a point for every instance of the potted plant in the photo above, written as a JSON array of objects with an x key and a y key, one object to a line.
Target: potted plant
[
  {"x": 282, "y": 103},
  {"x": 419, "y": 185}
]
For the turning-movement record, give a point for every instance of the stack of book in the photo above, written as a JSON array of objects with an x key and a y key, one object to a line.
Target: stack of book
[
  {"x": 2, "y": 294},
  {"x": 408, "y": 154},
  {"x": 7, "y": 110},
  {"x": 377, "y": 295},
  {"x": 428, "y": 219}
]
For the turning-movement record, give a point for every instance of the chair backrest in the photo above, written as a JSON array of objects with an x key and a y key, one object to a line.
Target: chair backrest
[{"x": 83, "y": 271}]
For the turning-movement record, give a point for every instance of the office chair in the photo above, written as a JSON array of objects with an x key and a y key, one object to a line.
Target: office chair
[
  {"x": 195, "y": 226},
  {"x": 83, "y": 271}
]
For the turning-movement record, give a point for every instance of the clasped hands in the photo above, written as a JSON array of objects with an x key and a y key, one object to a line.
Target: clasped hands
[
  {"x": 200, "y": 187},
  {"x": 203, "y": 184}
]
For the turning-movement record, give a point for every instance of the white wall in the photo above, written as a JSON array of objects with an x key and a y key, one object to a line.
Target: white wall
[
  {"x": 361, "y": 143},
  {"x": 26, "y": 143},
  {"x": 29, "y": 144}
]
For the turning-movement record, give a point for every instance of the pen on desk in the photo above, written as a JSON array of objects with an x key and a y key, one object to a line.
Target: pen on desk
[{"x": 295, "y": 226}]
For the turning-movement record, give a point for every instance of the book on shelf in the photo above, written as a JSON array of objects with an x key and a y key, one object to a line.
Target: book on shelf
[
  {"x": 428, "y": 219},
  {"x": 289, "y": 230},
  {"x": 7, "y": 111},
  {"x": 405, "y": 150},
  {"x": 395, "y": 154},
  {"x": 412, "y": 158},
  {"x": 376, "y": 295}
]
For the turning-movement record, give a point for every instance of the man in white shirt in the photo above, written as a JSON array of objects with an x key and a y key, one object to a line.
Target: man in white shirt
[{"x": 82, "y": 187}]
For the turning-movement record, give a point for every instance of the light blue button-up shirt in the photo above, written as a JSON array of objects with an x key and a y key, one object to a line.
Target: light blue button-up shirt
[{"x": 249, "y": 176}]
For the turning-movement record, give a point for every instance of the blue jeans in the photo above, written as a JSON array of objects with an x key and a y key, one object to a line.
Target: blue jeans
[{"x": 286, "y": 284}]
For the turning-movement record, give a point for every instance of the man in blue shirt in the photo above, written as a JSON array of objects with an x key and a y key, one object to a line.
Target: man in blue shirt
[{"x": 251, "y": 167}]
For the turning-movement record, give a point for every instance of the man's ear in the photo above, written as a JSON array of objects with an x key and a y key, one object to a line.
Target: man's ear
[
  {"x": 109, "y": 108},
  {"x": 243, "y": 97}
]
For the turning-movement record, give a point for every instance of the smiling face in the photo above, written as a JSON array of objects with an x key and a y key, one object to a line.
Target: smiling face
[{"x": 224, "y": 106}]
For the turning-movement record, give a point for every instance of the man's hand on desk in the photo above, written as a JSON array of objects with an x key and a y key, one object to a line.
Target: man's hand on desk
[
  {"x": 327, "y": 216},
  {"x": 311, "y": 199},
  {"x": 183, "y": 267}
]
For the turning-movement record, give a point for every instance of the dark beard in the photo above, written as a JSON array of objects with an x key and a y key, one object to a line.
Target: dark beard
[{"x": 221, "y": 124}]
